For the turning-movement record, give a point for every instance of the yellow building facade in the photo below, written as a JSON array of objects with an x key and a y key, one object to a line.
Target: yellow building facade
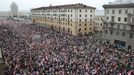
[{"x": 75, "y": 19}]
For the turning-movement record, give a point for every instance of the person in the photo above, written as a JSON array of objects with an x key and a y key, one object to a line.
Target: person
[{"x": 56, "y": 53}]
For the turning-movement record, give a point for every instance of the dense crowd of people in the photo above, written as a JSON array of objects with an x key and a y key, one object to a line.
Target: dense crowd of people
[{"x": 30, "y": 49}]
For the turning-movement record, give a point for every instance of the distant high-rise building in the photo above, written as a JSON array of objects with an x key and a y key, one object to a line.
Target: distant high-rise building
[{"x": 14, "y": 9}]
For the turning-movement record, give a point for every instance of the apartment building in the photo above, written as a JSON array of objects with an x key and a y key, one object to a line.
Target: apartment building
[
  {"x": 119, "y": 25},
  {"x": 75, "y": 19},
  {"x": 98, "y": 19}
]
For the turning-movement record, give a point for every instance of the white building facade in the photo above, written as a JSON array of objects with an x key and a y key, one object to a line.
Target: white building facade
[
  {"x": 98, "y": 23},
  {"x": 119, "y": 25},
  {"x": 4, "y": 14},
  {"x": 24, "y": 14},
  {"x": 76, "y": 19}
]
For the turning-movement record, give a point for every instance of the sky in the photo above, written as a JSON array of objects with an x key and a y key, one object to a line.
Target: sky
[{"x": 29, "y": 4}]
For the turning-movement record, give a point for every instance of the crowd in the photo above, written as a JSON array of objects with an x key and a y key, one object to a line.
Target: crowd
[{"x": 34, "y": 50}]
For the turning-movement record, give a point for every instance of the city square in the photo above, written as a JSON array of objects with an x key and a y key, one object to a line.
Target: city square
[{"x": 68, "y": 39}]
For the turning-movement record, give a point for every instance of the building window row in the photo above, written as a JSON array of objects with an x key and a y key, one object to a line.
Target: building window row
[
  {"x": 118, "y": 26},
  {"x": 48, "y": 11},
  {"x": 85, "y": 10},
  {"x": 80, "y": 24},
  {"x": 119, "y": 11},
  {"x": 80, "y": 20},
  {"x": 85, "y": 29},
  {"x": 119, "y": 18},
  {"x": 123, "y": 34},
  {"x": 81, "y": 15}
]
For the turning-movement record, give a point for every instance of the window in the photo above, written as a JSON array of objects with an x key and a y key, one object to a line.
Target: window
[
  {"x": 90, "y": 28},
  {"x": 123, "y": 34},
  {"x": 112, "y": 25},
  {"x": 71, "y": 10},
  {"x": 131, "y": 35},
  {"x": 117, "y": 33},
  {"x": 118, "y": 26},
  {"x": 119, "y": 19},
  {"x": 79, "y": 15},
  {"x": 79, "y": 24},
  {"x": 126, "y": 11},
  {"x": 86, "y": 15},
  {"x": 79, "y": 29},
  {"x": 68, "y": 10},
  {"x": 80, "y": 10},
  {"x": 125, "y": 19},
  {"x": 112, "y": 18},
  {"x": 71, "y": 20},
  {"x": 91, "y": 11},
  {"x": 107, "y": 11},
  {"x": 106, "y": 31},
  {"x": 90, "y": 19},
  {"x": 106, "y": 25},
  {"x": 111, "y": 32},
  {"x": 113, "y": 11},
  {"x": 85, "y": 24},
  {"x": 79, "y": 20},
  {"x": 101, "y": 24},
  {"x": 85, "y": 20},
  {"x": 90, "y": 15},
  {"x": 107, "y": 18},
  {"x": 101, "y": 19},
  {"x": 85, "y": 28},
  {"x": 124, "y": 27},
  {"x": 71, "y": 15},
  {"x": 119, "y": 11},
  {"x": 85, "y": 10},
  {"x": 71, "y": 24}
]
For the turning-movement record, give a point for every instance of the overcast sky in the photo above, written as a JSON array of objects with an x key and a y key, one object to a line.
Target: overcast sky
[{"x": 28, "y": 4}]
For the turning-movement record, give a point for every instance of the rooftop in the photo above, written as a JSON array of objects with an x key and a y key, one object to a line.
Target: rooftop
[
  {"x": 128, "y": 5},
  {"x": 67, "y": 6},
  {"x": 122, "y": 2}
]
